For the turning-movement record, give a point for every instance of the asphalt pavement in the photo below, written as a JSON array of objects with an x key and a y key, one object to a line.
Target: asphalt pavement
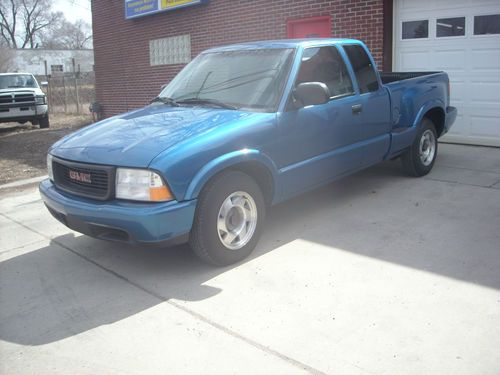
[{"x": 378, "y": 273}]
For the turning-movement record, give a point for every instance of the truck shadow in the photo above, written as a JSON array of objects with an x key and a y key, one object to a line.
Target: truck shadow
[{"x": 77, "y": 283}]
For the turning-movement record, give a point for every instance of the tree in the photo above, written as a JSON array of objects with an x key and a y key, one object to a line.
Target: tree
[
  {"x": 67, "y": 35},
  {"x": 22, "y": 22},
  {"x": 6, "y": 59}
]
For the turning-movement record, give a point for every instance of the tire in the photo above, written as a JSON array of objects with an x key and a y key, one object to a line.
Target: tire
[
  {"x": 419, "y": 159},
  {"x": 231, "y": 203},
  {"x": 44, "y": 122}
]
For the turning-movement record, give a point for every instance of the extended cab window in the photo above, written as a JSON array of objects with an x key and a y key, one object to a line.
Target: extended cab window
[
  {"x": 324, "y": 64},
  {"x": 363, "y": 68}
]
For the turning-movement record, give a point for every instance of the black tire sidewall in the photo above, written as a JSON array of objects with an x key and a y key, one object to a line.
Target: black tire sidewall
[
  {"x": 207, "y": 243},
  {"x": 411, "y": 160},
  {"x": 44, "y": 121}
]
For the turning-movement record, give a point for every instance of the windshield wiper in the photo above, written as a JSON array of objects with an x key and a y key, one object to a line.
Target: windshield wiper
[
  {"x": 213, "y": 102},
  {"x": 165, "y": 100}
]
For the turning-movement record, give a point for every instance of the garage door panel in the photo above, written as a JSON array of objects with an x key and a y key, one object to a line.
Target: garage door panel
[
  {"x": 461, "y": 126},
  {"x": 471, "y": 61},
  {"x": 484, "y": 126},
  {"x": 451, "y": 60},
  {"x": 413, "y": 61},
  {"x": 485, "y": 93},
  {"x": 487, "y": 59},
  {"x": 457, "y": 92},
  {"x": 412, "y": 5}
]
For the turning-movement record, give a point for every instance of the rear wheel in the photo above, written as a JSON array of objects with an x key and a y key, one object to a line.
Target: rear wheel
[
  {"x": 44, "y": 121},
  {"x": 229, "y": 219},
  {"x": 419, "y": 159}
]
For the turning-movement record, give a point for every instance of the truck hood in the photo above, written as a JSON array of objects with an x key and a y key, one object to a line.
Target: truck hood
[
  {"x": 135, "y": 138},
  {"x": 15, "y": 90}
]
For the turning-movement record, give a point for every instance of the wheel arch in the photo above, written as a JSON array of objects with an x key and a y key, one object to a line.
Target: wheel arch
[
  {"x": 252, "y": 162},
  {"x": 434, "y": 111}
]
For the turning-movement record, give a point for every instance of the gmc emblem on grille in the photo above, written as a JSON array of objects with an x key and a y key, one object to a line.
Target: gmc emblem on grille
[{"x": 80, "y": 176}]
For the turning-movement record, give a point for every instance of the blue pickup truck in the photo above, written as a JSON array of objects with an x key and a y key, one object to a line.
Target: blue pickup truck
[{"x": 241, "y": 128}]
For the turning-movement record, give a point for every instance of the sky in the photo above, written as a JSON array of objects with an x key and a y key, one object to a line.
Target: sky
[{"x": 74, "y": 9}]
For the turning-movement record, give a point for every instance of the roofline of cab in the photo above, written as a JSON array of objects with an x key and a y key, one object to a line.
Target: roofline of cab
[{"x": 285, "y": 43}]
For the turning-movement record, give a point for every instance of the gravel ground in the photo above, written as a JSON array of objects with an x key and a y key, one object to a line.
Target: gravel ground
[{"x": 23, "y": 148}]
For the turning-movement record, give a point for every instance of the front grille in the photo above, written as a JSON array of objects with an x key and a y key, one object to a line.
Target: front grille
[
  {"x": 25, "y": 98},
  {"x": 87, "y": 180}
]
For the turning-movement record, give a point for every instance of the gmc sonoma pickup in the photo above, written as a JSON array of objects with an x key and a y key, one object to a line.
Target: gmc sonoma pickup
[
  {"x": 22, "y": 100},
  {"x": 241, "y": 128}
]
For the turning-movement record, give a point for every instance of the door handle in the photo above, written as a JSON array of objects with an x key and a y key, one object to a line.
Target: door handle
[{"x": 356, "y": 109}]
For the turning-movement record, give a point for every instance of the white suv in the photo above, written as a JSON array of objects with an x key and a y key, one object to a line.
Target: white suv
[{"x": 22, "y": 100}]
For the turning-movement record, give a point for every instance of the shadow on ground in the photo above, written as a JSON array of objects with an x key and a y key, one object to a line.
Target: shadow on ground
[{"x": 77, "y": 283}]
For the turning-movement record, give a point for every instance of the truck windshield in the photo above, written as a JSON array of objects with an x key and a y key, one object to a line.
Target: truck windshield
[
  {"x": 17, "y": 81},
  {"x": 243, "y": 79}
]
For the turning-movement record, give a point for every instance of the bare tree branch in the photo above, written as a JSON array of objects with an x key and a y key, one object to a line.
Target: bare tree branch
[
  {"x": 35, "y": 17},
  {"x": 67, "y": 35}
]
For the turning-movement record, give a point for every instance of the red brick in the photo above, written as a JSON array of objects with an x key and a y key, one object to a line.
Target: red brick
[{"x": 124, "y": 78}]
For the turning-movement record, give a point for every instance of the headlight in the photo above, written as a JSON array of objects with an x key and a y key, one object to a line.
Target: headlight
[
  {"x": 39, "y": 99},
  {"x": 49, "y": 167},
  {"x": 141, "y": 185}
]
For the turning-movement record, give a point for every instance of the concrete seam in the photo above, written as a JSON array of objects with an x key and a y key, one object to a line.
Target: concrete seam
[
  {"x": 468, "y": 169},
  {"x": 194, "y": 314},
  {"x": 459, "y": 183},
  {"x": 21, "y": 247}
]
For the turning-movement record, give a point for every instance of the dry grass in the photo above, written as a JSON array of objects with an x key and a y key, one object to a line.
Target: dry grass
[{"x": 23, "y": 148}]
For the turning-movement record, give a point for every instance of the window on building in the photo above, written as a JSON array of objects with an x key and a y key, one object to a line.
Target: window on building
[
  {"x": 415, "y": 29},
  {"x": 450, "y": 27},
  {"x": 324, "y": 64},
  {"x": 56, "y": 68},
  {"x": 487, "y": 24},
  {"x": 172, "y": 50},
  {"x": 363, "y": 68}
]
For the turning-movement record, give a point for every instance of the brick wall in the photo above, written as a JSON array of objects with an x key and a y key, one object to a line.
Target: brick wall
[{"x": 124, "y": 78}]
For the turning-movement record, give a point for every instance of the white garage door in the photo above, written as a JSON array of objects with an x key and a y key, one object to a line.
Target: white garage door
[{"x": 461, "y": 37}]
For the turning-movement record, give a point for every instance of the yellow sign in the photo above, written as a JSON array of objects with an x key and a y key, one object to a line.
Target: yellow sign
[
  {"x": 165, "y": 4},
  {"x": 139, "y": 8}
]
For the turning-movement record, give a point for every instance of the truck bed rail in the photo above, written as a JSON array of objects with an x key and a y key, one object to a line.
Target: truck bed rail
[{"x": 389, "y": 77}]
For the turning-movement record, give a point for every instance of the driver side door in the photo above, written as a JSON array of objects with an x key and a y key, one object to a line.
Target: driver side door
[{"x": 315, "y": 142}]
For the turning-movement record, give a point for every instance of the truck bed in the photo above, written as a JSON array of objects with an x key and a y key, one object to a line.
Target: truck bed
[{"x": 389, "y": 77}]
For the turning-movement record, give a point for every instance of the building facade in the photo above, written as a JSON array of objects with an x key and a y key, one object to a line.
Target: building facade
[
  {"x": 139, "y": 46},
  {"x": 51, "y": 62}
]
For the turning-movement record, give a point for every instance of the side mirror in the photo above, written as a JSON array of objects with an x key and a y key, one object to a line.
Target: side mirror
[
  {"x": 312, "y": 93},
  {"x": 44, "y": 83},
  {"x": 163, "y": 86}
]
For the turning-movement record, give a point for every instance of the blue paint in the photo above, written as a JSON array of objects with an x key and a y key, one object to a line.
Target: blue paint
[{"x": 300, "y": 148}]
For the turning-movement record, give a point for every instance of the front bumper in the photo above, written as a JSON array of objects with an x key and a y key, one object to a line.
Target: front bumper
[
  {"x": 22, "y": 113},
  {"x": 153, "y": 223}
]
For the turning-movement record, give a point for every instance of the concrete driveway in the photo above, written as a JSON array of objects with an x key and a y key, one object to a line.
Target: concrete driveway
[{"x": 375, "y": 274}]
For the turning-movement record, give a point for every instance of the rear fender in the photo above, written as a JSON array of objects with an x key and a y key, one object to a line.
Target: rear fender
[
  {"x": 403, "y": 139},
  {"x": 226, "y": 161},
  {"x": 431, "y": 104}
]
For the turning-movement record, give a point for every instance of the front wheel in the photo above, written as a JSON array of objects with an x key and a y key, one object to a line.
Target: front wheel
[
  {"x": 419, "y": 159},
  {"x": 229, "y": 219},
  {"x": 44, "y": 122}
]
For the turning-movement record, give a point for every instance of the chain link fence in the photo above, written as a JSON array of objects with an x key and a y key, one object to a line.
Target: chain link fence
[{"x": 69, "y": 93}]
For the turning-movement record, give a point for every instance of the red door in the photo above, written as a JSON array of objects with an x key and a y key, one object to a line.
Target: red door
[{"x": 316, "y": 27}]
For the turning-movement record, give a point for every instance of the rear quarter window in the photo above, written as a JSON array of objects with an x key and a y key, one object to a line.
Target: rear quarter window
[{"x": 363, "y": 68}]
